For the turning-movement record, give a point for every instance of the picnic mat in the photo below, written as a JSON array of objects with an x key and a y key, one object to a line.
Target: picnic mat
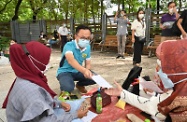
[{"x": 111, "y": 113}]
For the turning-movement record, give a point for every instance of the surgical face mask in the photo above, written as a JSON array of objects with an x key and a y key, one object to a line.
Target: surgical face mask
[
  {"x": 171, "y": 11},
  {"x": 46, "y": 66},
  {"x": 167, "y": 81},
  {"x": 83, "y": 43},
  {"x": 141, "y": 16},
  {"x": 64, "y": 25},
  {"x": 122, "y": 15},
  {"x": 32, "y": 59}
]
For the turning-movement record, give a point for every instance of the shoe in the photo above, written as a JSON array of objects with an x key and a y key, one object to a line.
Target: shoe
[
  {"x": 64, "y": 95},
  {"x": 118, "y": 56},
  {"x": 81, "y": 88},
  {"x": 123, "y": 57}
]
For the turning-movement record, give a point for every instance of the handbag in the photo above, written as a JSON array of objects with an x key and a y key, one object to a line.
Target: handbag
[
  {"x": 106, "y": 99},
  {"x": 141, "y": 39}
]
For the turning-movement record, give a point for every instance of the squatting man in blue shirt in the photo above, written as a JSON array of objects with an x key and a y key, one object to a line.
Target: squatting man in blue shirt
[{"x": 74, "y": 54}]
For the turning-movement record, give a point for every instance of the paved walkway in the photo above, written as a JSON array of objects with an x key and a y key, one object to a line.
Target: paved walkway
[{"x": 104, "y": 63}]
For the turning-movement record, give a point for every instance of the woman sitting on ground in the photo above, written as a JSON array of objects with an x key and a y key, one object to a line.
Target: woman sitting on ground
[
  {"x": 30, "y": 98},
  {"x": 172, "y": 103}
]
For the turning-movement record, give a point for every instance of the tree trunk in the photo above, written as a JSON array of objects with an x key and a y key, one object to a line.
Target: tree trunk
[
  {"x": 93, "y": 15},
  {"x": 15, "y": 17},
  {"x": 85, "y": 12},
  {"x": 101, "y": 13},
  {"x": 123, "y": 5}
]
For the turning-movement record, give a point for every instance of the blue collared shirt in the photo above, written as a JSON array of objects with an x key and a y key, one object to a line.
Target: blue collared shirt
[{"x": 79, "y": 55}]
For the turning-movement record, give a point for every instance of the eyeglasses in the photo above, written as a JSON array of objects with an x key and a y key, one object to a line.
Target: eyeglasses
[{"x": 85, "y": 38}]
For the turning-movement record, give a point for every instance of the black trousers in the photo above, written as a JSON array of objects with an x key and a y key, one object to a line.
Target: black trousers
[
  {"x": 138, "y": 47},
  {"x": 63, "y": 42}
]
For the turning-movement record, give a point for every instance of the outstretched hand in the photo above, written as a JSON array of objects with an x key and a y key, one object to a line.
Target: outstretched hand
[
  {"x": 66, "y": 106},
  {"x": 114, "y": 91}
]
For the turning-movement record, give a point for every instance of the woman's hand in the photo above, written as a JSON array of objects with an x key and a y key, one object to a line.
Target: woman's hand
[
  {"x": 114, "y": 91},
  {"x": 148, "y": 90},
  {"x": 66, "y": 106},
  {"x": 162, "y": 27},
  {"x": 82, "y": 112},
  {"x": 184, "y": 35},
  {"x": 133, "y": 40}
]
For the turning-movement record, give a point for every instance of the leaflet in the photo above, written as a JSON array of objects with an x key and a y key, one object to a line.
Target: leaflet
[{"x": 101, "y": 81}]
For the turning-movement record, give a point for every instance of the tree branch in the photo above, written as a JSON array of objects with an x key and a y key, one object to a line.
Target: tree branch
[
  {"x": 15, "y": 17},
  {"x": 4, "y": 7}
]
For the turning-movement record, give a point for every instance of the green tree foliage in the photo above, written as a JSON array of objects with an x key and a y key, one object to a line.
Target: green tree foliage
[{"x": 81, "y": 10}]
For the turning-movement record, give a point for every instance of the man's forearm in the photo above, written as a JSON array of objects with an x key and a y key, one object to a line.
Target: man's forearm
[{"x": 77, "y": 66}]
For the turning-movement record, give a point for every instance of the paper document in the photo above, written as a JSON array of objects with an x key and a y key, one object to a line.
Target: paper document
[
  {"x": 151, "y": 85},
  {"x": 89, "y": 117},
  {"x": 101, "y": 81}
]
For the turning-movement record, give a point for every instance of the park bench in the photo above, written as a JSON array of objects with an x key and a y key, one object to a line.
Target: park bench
[
  {"x": 129, "y": 45},
  {"x": 153, "y": 45},
  {"x": 97, "y": 38},
  {"x": 110, "y": 41}
]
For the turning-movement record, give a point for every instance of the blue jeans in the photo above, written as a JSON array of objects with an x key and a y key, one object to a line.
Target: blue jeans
[
  {"x": 51, "y": 42},
  {"x": 66, "y": 81}
]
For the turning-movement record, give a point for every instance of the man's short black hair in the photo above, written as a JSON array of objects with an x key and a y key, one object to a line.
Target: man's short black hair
[{"x": 84, "y": 27}]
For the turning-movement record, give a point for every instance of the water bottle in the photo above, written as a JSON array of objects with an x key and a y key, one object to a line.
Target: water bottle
[
  {"x": 2, "y": 53},
  {"x": 99, "y": 103},
  {"x": 147, "y": 120}
]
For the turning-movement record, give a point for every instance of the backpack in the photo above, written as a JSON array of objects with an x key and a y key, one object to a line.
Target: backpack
[{"x": 133, "y": 74}]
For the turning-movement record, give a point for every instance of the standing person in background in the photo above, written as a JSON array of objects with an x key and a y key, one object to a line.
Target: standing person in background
[
  {"x": 62, "y": 33},
  {"x": 138, "y": 35},
  {"x": 122, "y": 22},
  {"x": 13, "y": 41},
  {"x": 182, "y": 24},
  {"x": 167, "y": 21}
]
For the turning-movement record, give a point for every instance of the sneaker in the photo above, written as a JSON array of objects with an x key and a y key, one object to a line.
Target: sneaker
[
  {"x": 64, "y": 95},
  {"x": 81, "y": 88},
  {"x": 118, "y": 56},
  {"x": 123, "y": 57}
]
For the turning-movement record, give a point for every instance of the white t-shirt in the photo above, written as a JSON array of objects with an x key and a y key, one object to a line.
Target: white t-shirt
[
  {"x": 139, "y": 29},
  {"x": 63, "y": 31}
]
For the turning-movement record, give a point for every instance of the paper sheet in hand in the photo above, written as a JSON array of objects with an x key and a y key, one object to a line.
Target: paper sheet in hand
[
  {"x": 151, "y": 85},
  {"x": 101, "y": 81},
  {"x": 89, "y": 117}
]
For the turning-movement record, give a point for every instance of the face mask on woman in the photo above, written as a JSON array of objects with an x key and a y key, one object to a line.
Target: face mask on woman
[
  {"x": 171, "y": 10},
  {"x": 167, "y": 81},
  {"x": 141, "y": 16}
]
